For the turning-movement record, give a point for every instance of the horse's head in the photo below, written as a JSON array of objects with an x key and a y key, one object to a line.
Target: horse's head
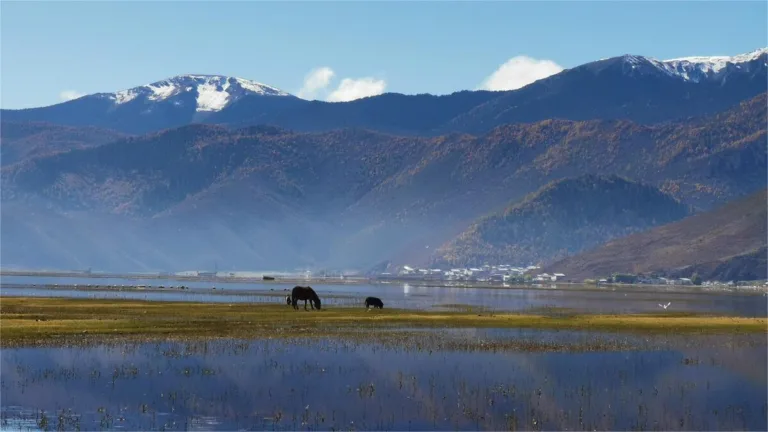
[
  {"x": 317, "y": 302},
  {"x": 288, "y": 299}
]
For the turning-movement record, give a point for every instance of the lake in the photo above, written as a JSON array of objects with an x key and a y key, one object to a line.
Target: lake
[
  {"x": 440, "y": 379},
  {"x": 407, "y": 296},
  {"x": 668, "y": 383}
]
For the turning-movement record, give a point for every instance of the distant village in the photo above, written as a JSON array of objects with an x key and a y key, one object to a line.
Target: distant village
[
  {"x": 486, "y": 273},
  {"x": 529, "y": 274}
]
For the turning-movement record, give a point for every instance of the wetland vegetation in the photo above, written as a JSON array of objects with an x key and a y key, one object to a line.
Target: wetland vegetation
[
  {"x": 37, "y": 321},
  {"x": 102, "y": 364},
  {"x": 331, "y": 384}
]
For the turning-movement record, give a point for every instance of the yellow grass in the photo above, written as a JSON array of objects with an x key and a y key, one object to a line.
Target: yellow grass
[{"x": 31, "y": 320}]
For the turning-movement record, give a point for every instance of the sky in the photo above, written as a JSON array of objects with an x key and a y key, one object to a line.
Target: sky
[{"x": 56, "y": 50}]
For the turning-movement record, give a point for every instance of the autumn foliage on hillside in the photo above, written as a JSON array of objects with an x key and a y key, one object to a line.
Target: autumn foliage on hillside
[
  {"x": 20, "y": 140},
  {"x": 726, "y": 243},
  {"x": 379, "y": 195},
  {"x": 560, "y": 219}
]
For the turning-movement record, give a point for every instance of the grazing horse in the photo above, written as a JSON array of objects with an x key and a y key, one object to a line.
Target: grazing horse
[
  {"x": 375, "y": 302},
  {"x": 305, "y": 293}
]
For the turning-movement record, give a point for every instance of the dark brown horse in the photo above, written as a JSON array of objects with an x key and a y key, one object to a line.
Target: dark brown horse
[
  {"x": 374, "y": 302},
  {"x": 305, "y": 293}
]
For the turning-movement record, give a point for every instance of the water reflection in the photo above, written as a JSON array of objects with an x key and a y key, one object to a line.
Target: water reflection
[
  {"x": 229, "y": 385},
  {"x": 401, "y": 296}
]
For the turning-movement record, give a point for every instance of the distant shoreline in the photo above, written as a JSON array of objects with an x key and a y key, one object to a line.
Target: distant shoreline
[
  {"x": 278, "y": 280},
  {"x": 221, "y": 279}
]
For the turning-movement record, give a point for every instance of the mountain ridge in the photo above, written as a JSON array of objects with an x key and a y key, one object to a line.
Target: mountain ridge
[
  {"x": 700, "y": 242},
  {"x": 561, "y": 218},
  {"x": 616, "y": 88},
  {"x": 635, "y": 88},
  {"x": 166, "y": 87},
  {"x": 20, "y": 140}
]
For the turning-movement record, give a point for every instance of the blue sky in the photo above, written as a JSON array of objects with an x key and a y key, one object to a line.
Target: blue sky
[{"x": 49, "y": 48}]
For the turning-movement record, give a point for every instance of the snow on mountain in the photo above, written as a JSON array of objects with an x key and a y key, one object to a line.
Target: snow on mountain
[
  {"x": 696, "y": 68},
  {"x": 211, "y": 92}
]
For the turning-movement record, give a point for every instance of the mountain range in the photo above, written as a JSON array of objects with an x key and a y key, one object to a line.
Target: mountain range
[
  {"x": 201, "y": 170},
  {"x": 630, "y": 87}
]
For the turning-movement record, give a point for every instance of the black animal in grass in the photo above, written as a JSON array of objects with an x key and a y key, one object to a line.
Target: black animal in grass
[
  {"x": 374, "y": 302},
  {"x": 304, "y": 293}
]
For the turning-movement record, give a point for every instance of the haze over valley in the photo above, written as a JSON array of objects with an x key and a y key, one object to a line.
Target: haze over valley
[{"x": 196, "y": 171}]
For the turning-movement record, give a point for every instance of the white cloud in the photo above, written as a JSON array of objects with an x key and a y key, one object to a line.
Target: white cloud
[
  {"x": 351, "y": 89},
  {"x": 518, "y": 72},
  {"x": 70, "y": 94},
  {"x": 317, "y": 84},
  {"x": 315, "y": 81}
]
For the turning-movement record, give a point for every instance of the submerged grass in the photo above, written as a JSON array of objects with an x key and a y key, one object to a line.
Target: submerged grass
[{"x": 34, "y": 320}]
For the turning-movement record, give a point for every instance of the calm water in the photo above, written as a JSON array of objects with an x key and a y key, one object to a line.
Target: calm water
[
  {"x": 710, "y": 384},
  {"x": 629, "y": 300}
]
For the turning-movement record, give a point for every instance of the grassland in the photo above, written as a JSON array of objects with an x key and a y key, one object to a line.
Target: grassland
[{"x": 41, "y": 321}]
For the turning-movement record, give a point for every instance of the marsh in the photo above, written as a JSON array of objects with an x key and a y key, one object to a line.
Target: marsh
[
  {"x": 704, "y": 383},
  {"x": 110, "y": 362}
]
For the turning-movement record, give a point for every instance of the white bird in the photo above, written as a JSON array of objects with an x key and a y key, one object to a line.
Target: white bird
[{"x": 665, "y": 306}]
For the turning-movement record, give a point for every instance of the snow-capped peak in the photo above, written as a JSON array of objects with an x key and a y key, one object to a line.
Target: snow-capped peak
[
  {"x": 720, "y": 61},
  {"x": 694, "y": 68},
  {"x": 697, "y": 69},
  {"x": 211, "y": 92}
]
